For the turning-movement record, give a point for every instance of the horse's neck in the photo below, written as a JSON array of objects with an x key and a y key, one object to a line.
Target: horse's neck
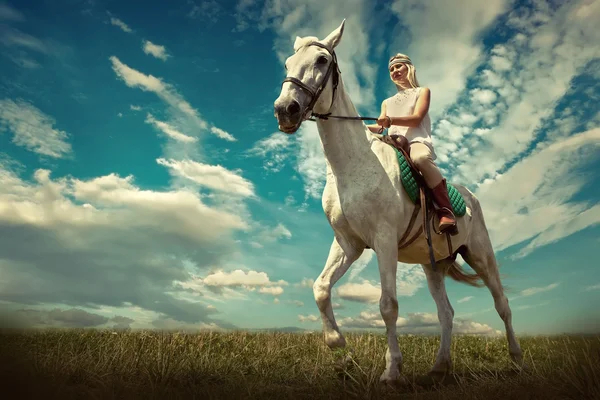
[{"x": 345, "y": 142}]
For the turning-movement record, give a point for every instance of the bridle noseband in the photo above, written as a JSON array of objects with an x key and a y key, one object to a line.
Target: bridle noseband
[{"x": 315, "y": 94}]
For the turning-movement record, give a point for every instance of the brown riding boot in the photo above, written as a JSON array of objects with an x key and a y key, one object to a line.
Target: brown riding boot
[{"x": 445, "y": 214}]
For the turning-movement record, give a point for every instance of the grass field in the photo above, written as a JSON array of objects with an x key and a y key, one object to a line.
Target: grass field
[{"x": 91, "y": 364}]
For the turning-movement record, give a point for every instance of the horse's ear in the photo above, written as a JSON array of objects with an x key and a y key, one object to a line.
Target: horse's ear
[
  {"x": 334, "y": 38},
  {"x": 297, "y": 43}
]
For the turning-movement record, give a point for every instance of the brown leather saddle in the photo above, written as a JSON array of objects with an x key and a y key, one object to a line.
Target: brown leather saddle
[{"x": 400, "y": 143}]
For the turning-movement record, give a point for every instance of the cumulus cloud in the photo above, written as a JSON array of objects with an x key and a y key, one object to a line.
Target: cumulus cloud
[
  {"x": 32, "y": 129},
  {"x": 308, "y": 318},
  {"x": 106, "y": 242},
  {"x": 418, "y": 323},
  {"x": 248, "y": 280},
  {"x": 214, "y": 177},
  {"x": 306, "y": 283},
  {"x": 155, "y": 50},
  {"x": 410, "y": 278}
]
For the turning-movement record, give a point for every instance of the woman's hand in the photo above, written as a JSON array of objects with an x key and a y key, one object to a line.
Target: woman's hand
[{"x": 384, "y": 121}]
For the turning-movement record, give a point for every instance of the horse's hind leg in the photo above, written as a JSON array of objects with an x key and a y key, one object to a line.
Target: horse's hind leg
[
  {"x": 479, "y": 254},
  {"x": 437, "y": 288},
  {"x": 336, "y": 266}
]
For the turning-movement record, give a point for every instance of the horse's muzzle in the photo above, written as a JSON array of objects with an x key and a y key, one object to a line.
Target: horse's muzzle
[{"x": 289, "y": 115}]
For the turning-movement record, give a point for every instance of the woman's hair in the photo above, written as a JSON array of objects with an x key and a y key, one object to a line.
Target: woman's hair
[{"x": 412, "y": 72}]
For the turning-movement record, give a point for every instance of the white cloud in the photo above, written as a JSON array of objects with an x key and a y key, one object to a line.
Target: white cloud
[
  {"x": 409, "y": 279},
  {"x": 274, "y": 149},
  {"x": 306, "y": 283},
  {"x": 169, "y": 130},
  {"x": 155, "y": 50},
  {"x": 206, "y": 9},
  {"x": 9, "y": 13},
  {"x": 483, "y": 96},
  {"x": 222, "y": 134},
  {"x": 32, "y": 129},
  {"x": 12, "y": 37},
  {"x": 593, "y": 287},
  {"x": 443, "y": 43},
  {"x": 214, "y": 177},
  {"x": 359, "y": 265},
  {"x": 465, "y": 299},
  {"x": 178, "y": 105},
  {"x": 274, "y": 290},
  {"x": 308, "y": 318},
  {"x": 104, "y": 241},
  {"x": 418, "y": 323},
  {"x": 222, "y": 280},
  {"x": 517, "y": 204},
  {"x": 237, "y": 278},
  {"x": 364, "y": 292},
  {"x": 543, "y": 66},
  {"x": 117, "y": 22},
  {"x": 535, "y": 290}
]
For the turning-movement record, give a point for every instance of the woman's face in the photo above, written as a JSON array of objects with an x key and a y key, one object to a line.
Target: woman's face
[{"x": 398, "y": 73}]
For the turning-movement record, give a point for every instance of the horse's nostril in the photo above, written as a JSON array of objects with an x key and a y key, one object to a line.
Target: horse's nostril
[{"x": 293, "y": 108}]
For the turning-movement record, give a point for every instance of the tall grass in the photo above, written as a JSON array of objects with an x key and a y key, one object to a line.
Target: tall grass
[{"x": 102, "y": 364}]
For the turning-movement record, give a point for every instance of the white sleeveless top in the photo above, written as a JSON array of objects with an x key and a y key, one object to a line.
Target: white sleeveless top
[{"x": 402, "y": 104}]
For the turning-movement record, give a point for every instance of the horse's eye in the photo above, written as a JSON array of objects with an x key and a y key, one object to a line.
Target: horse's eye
[{"x": 322, "y": 60}]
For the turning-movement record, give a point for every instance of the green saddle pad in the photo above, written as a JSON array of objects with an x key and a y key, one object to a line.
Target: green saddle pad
[{"x": 412, "y": 188}]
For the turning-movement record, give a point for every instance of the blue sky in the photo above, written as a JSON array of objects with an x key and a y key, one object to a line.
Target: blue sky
[{"x": 143, "y": 182}]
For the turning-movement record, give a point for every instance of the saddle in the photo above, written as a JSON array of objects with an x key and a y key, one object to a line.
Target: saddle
[{"x": 401, "y": 144}]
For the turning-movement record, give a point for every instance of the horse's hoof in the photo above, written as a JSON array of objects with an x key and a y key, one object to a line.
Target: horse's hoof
[
  {"x": 335, "y": 340},
  {"x": 393, "y": 380}
]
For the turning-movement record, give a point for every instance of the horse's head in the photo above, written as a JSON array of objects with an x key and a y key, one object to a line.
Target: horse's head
[{"x": 311, "y": 82}]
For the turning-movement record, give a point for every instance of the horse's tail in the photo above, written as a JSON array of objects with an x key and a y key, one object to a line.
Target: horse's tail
[{"x": 456, "y": 272}]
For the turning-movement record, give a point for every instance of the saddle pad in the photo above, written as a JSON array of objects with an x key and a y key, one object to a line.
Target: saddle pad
[{"x": 412, "y": 188}]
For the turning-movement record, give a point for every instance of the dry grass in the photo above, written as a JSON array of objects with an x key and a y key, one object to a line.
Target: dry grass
[{"x": 125, "y": 365}]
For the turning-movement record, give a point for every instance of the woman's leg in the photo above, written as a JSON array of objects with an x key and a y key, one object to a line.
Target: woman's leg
[{"x": 423, "y": 159}]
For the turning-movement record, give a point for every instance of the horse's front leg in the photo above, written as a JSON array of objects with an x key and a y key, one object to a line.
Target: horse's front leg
[
  {"x": 338, "y": 262},
  {"x": 387, "y": 258}
]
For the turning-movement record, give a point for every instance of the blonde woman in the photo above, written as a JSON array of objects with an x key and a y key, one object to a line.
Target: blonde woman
[{"x": 407, "y": 114}]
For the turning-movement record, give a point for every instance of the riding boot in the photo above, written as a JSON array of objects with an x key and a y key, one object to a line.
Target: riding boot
[{"x": 444, "y": 212}]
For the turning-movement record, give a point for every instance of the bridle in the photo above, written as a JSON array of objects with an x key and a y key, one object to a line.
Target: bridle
[
  {"x": 315, "y": 94},
  {"x": 334, "y": 70}
]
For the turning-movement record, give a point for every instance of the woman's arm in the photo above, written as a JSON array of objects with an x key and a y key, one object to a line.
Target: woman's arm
[
  {"x": 375, "y": 128},
  {"x": 412, "y": 121}
]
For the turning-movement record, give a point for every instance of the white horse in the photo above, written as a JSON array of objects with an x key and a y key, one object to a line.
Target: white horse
[{"x": 366, "y": 205}]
